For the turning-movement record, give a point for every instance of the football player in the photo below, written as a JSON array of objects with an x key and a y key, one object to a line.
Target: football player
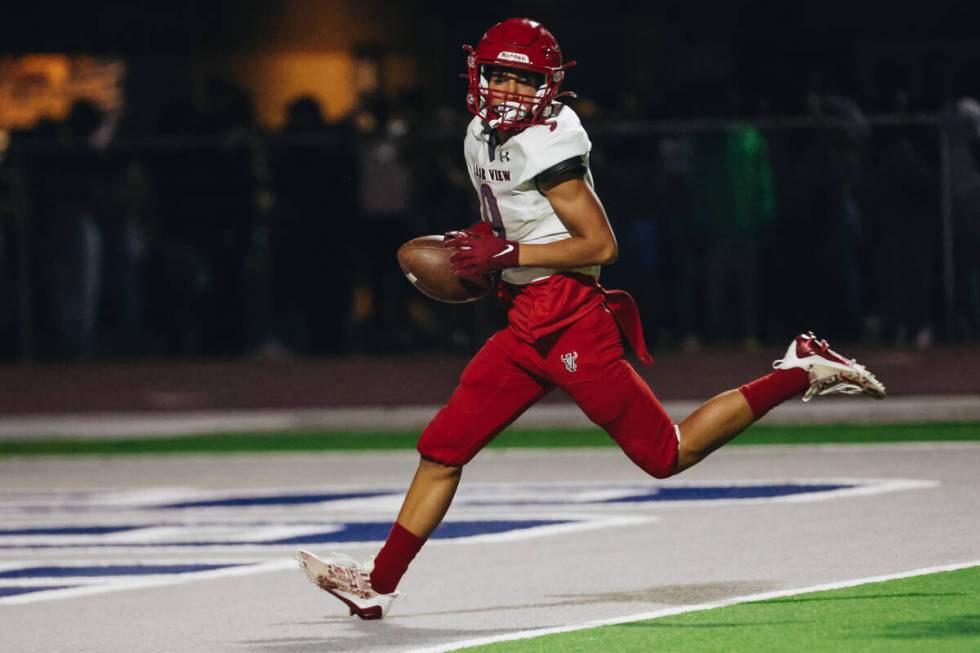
[{"x": 545, "y": 229}]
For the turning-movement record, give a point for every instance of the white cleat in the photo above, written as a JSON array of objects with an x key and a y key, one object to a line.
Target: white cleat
[
  {"x": 348, "y": 580},
  {"x": 830, "y": 373}
]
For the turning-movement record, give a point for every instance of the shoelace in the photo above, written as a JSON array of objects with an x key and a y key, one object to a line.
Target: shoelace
[
  {"x": 824, "y": 347},
  {"x": 831, "y": 385},
  {"x": 357, "y": 581}
]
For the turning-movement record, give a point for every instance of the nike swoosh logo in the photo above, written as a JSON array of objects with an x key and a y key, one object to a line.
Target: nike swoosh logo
[{"x": 506, "y": 250}]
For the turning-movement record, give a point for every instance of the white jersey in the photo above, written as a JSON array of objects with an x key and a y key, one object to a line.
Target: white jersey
[{"x": 504, "y": 181}]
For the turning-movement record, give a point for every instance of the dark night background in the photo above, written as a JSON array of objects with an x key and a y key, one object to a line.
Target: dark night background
[
  {"x": 653, "y": 50},
  {"x": 193, "y": 216}
]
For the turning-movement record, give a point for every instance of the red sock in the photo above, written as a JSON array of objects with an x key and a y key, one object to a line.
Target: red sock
[
  {"x": 773, "y": 389},
  {"x": 393, "y": 559}
]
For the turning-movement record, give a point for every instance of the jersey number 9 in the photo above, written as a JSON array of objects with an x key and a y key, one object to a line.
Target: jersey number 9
[{"x": 490, "y": 210}]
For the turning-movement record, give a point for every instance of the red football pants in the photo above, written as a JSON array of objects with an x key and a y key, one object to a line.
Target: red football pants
[{"x": 585, "y": 359}]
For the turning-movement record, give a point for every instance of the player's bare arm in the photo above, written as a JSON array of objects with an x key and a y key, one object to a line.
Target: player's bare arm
[{"x": 593, "y": 241}]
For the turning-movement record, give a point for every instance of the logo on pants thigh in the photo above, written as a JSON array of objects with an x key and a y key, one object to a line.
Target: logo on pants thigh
[{"x": 569, "y": 360}]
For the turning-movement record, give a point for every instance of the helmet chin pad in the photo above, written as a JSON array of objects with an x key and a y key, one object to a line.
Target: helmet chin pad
[{"x": 508, "y": 112}]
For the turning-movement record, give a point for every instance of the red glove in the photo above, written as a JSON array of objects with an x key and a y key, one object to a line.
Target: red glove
[
  {"x": 479, "y": 250},
  {"x": 480, "y": 228}
]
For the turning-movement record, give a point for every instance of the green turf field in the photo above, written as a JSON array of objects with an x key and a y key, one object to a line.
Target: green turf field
[
  {"x": 935, "y": 612},
  {"x": 380, "y": 440}
]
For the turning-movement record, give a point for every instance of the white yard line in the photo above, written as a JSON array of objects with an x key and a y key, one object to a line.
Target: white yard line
[
  {"x": 94, "y": 586},
  {"x": 764, "y": 596},
  {"x": 117, "y": 425}
]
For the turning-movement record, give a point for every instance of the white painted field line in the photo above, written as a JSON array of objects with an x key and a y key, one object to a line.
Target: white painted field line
[
  {"x": 643, "y": 616},
  {"x": 115, "y": 585}
]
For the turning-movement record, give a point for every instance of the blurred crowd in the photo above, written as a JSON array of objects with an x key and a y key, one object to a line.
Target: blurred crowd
[
  {"x": 211, "y": 236},
  {"x": 832, "y": 220}
]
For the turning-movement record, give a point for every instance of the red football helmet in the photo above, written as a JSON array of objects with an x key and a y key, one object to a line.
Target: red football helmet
[{"x": 517, "y": 43}]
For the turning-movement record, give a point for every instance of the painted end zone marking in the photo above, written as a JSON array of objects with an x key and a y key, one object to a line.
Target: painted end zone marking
[
  {"x": 28, "y": 589},
  {"x": 667, "y": 612},
  {"x": 20, "y": 582},
  {"x": 361, "y": 499},
  {"x": 101, "y": 570},
  {"x": 574, "y": 523},
  {"x": 50, "y": 593},
  {"x": 487, "y": 528}
]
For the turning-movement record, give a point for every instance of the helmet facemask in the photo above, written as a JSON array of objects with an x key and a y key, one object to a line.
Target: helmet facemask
[{"x": 510, "y": 111}]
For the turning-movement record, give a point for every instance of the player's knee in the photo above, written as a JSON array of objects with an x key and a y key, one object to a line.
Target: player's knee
[
  {"x": 439, "y": 471},
  {"x": 660, "y": 468},
  {"x": 655, "y": 456},
  {"x": 656, "y": 452},
  {"x": 440, "y": 449},
  {"x": 438, "y": 456}
]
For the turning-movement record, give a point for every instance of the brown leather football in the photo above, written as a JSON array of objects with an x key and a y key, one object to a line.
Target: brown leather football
[{"x": 425, "y": 262}]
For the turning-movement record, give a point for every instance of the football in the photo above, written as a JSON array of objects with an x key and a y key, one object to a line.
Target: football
[{"x": 425, "y": 262}]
